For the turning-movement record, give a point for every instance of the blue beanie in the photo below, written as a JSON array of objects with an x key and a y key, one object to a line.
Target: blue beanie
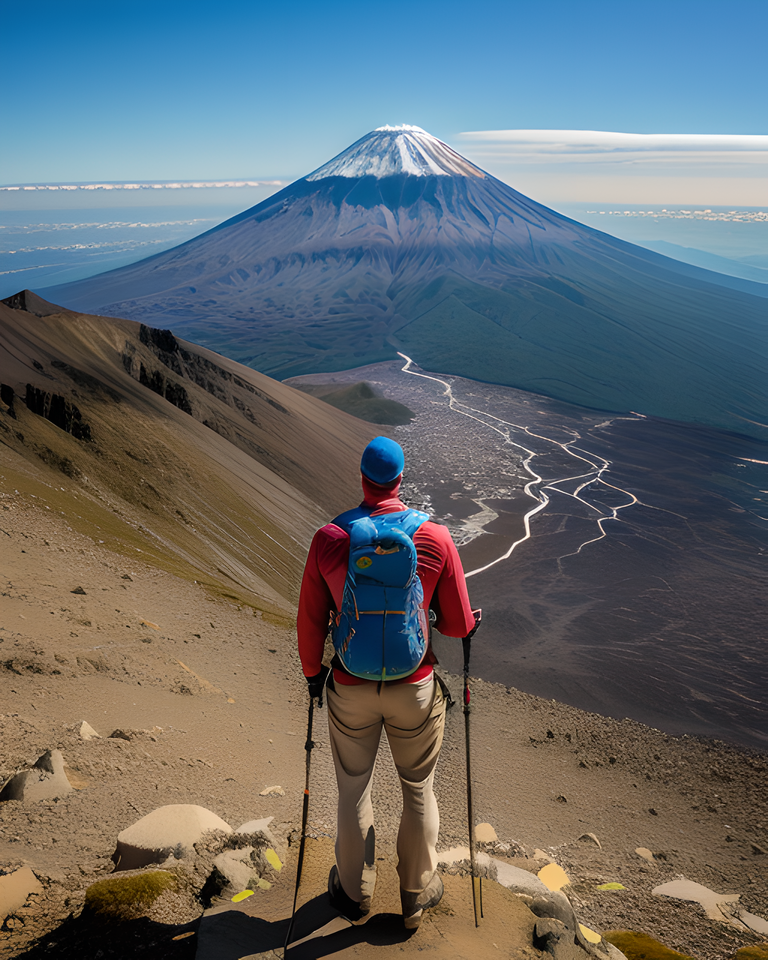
[{"x": 383, "y": 461}]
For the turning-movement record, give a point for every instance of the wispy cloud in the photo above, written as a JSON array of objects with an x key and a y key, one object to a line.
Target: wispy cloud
[
  {"x": 607, "y": 146},
  {"x": 178, "y": 185},
  {"x": 604, "y": 165}
]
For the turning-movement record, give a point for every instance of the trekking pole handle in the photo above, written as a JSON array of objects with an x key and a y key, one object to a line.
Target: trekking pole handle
[
  {"x": 478, "y": 615},
  {"x": 309, "y": 744}
]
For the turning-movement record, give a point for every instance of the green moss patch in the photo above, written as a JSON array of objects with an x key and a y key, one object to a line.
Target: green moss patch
[
  {"x": 125, "y": 898},
  {"x": 639, "y": 946}
]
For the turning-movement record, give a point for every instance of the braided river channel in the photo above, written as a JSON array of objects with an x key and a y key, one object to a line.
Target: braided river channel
[{"x": 621, "y": 561}]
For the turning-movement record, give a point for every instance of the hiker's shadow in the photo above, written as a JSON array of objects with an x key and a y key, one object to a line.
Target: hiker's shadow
[{"x": 234, "y": 934}]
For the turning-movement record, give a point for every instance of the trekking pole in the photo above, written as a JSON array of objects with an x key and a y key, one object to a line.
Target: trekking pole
[
  {"x": 466, "y": 644},
  {"x": 304, "y": 816}
]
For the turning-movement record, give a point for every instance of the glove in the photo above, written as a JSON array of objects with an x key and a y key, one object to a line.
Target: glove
[{"x": 317, "y": 684}]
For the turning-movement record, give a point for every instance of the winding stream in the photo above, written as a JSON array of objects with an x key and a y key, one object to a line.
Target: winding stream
[{"x": 536, "y": 488}]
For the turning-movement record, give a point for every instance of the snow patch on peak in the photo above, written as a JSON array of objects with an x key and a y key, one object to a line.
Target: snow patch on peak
[
  {"x": 399, "y": 127},
  {"x": 388, "y": 151}
]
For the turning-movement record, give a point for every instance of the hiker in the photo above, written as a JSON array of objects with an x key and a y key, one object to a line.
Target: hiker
[{"x": 411, "y": 707}]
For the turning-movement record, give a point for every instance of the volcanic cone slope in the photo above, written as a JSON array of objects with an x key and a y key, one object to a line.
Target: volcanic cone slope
[
  {"x": 167, "y": 452},
  {"x": 401, "y": 243}
]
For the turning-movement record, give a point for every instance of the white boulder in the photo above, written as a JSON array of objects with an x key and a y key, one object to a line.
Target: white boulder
[{"x": 173, "y": 829}]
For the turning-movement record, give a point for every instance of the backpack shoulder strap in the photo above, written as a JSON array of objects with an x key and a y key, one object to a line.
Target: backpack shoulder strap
[
  {"x": 349, "y": 516},
  {"x": 408, "y": 521}
]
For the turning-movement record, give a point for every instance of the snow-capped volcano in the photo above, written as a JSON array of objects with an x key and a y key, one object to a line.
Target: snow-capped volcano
[
  {"x": 387, "y": 151},
  {"x": 400, "y": 243}
]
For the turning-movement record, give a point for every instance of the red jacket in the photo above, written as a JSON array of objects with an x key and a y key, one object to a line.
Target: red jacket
[{"x": 439, "y": 568}]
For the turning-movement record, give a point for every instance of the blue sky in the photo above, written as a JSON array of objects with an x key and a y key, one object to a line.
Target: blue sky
[{"x": 167, "y": 90}]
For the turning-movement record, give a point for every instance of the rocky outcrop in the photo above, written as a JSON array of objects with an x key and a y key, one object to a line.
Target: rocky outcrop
[
  {"x": 214, "y": 379},
  {"x": 45, "y": 781},
  {"x": 59, "y": 411}
]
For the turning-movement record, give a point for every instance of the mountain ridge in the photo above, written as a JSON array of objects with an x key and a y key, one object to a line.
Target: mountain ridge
[{"x": 171, "y": 452}]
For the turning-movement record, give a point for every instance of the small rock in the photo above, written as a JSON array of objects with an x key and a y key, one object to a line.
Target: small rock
[
  {"x": 235, "y": 869},
  {"x": 758, "y": 924},
  {"x": 590, "y": 838},
  {"x": 255, "y": 826},
  {"x": 645, "y": 853},
  {"x": 716, "y": 905},
  {"x": 653, "y": 812},
  {"x": 127, "y": 576},
  {"x": 540, "y": 855},
  {"x": 547, "y": 933},
  {"x": 15, "y": 888},
  {"x": 45, "y": 781},
  {"x": 758, "y": 850},
  {"x": 120, "y": 734},
  {"x": 87, "y": 732},
  {"x": 258, "y": 826},
  {"x": 556, "y": 908},
  {"x": 172, "y": 829},
  {"x": 275, "y": 791},
  {"x": 484, "y": 833},
  {"x": 79, "y": 590},
  {"x": 591, "y": 936},
  {"x": 553, "y": 876},
  {"x": 561, "y": 799}
]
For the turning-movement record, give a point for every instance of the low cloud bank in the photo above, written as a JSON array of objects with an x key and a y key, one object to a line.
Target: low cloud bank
[{"x": 180, "y": 185}]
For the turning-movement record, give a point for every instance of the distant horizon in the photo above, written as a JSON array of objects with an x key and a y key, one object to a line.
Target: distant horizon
[{"x": 550, "y": 166}]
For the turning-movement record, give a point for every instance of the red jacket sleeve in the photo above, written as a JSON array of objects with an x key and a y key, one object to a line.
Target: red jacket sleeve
[
  {"x": 327, "y": 561},
  {"x": 442, "y": 576}
]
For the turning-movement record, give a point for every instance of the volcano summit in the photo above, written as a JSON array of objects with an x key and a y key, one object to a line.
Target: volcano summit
[{"x": 400, "y": 243}]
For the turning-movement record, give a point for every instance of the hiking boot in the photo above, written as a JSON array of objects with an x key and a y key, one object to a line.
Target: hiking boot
[
  {"x": 414, "y": 904},
  {"x": 350, "y": 909}
]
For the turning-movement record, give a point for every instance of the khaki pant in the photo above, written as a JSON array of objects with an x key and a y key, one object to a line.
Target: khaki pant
[{"x": 413, "y": 715}]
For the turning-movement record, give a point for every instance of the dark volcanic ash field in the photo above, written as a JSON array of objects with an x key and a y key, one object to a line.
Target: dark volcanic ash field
[{"x": 662, "y": 619}]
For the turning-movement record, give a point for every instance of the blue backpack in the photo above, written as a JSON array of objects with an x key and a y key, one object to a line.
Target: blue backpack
[{"x": 381, "y": 631}]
